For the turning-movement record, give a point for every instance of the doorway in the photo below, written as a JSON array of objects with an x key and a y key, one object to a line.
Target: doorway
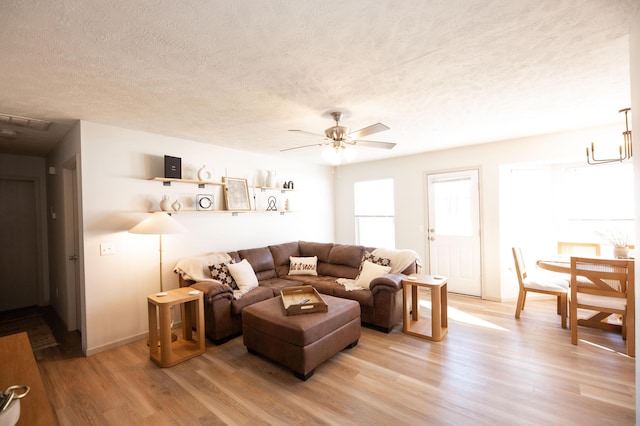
[
  {"x": 19, "y": 251},
  {"x": 453, "y": 223}
]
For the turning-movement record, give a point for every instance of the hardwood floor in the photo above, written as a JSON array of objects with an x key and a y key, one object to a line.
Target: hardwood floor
[{"x": 489, "y": 369}]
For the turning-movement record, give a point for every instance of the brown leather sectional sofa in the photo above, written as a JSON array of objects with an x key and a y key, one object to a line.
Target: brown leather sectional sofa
[{"x": 381, "y": 305}]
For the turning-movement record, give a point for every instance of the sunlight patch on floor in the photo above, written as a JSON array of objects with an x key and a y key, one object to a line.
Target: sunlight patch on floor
[{"x": 457, "y": 315}]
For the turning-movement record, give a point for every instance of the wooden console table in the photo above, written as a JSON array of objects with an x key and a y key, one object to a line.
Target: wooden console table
[
  {"x": 167, "y": 353},
  {"x": 18, "y": 367},
  {"x": 412, "y": 323}
]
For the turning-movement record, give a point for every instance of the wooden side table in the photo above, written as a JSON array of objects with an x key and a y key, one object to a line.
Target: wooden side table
[
  {"x": 167, "y": 353},
  {"x": 413, "y": 324}
]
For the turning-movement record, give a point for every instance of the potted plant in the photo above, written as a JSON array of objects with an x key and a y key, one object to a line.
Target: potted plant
[{"x": 618, "y": 239}]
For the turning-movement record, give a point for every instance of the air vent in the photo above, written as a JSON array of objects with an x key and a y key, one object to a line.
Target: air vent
[{"x": 30, "y": 123}]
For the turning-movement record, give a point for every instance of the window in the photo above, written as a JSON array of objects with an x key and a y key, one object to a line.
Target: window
[{"x": 374, "y": 213}]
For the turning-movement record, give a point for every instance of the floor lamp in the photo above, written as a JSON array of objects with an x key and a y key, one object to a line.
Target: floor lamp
[{"x": 159, "y": 223}]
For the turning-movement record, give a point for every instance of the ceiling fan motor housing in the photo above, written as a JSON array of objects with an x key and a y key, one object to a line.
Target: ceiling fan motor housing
[{"x": 337, "y": 133}]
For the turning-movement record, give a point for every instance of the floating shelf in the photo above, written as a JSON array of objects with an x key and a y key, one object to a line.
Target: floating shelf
[
  {"x": 233, "y": 212},
  {"x": 200, "y": 183}
]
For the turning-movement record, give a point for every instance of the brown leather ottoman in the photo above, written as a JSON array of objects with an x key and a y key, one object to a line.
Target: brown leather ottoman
[{"x": 301, "y": 342}]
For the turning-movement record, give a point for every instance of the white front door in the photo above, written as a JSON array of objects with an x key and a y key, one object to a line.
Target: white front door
[{"x": 454, "y": 230}]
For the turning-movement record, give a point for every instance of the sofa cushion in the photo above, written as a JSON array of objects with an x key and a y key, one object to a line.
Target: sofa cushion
[
  {"x": 315, "y": 249},
  {"x": 261, "y": 261},
  {"x": 364, "y": 297},
  {"x": 258, "y": 294},
  {"x": 303, "y": 265},
  {"x": 243, "y": 275},
  {"x": 281, "y": 254},
  {"x": 348, "y": 255},
  {"x": 337, "y": 271},
  {"x": 277, "y": 284}
]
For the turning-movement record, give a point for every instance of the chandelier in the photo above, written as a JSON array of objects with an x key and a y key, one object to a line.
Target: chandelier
[{"x": 625, "y": 150}]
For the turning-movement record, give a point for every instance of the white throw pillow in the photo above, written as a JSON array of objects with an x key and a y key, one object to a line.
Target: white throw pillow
[
  {"x": 244, "y": 275},
  {"x": 303, "y": 265},
  {"x": 370, "y": 271}
]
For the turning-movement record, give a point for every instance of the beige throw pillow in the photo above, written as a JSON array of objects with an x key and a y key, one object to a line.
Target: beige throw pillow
[
  {"x": 370, "y": 271},
  {"x": 303, "y": 265},
  {"x": 244, "y": 275}
]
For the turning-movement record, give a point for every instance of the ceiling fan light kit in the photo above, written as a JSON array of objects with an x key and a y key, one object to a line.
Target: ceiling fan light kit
[
  {"x": 335, "y": 155},
  {"x": 340, "y": 141}
]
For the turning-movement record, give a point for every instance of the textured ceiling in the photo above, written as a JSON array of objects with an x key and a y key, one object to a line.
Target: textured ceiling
[{"x": 242, "y": 73}]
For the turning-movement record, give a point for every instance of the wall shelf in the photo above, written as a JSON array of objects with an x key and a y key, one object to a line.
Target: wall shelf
[
  {"x": 203, "y": 183},
  {"x": 233, "y": 212},
  {"x": 200, "y": 183}
]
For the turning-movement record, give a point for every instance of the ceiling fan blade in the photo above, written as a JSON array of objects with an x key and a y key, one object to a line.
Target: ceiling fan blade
[
  {"x": 369, "y": 130},
  {"x": 308, "y": 133},
  {"x": 305, "y": 146},
  {"x": 374, "y": 144}
]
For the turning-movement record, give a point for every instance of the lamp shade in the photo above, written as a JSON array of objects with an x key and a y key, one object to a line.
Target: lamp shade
[{"x": 158, "y": 223}]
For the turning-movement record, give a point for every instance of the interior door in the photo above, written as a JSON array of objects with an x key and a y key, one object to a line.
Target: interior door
[
  {"x": 18, "y": 244},
  {"x": 454, "y": 230}
]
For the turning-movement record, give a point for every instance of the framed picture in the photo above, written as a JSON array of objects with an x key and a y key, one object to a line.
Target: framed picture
[{"x": 236, "y": 194}]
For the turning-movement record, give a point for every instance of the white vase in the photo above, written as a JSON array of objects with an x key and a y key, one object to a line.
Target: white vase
[
  {"x": 165, "y": 204},
  {"x": 204, "y": 174},
  {"x": 176, "y": 206},
  {"x": 270, "y": 181}
]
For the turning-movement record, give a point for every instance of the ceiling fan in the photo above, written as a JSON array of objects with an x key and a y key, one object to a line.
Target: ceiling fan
[{"x": 339, "y": 141}]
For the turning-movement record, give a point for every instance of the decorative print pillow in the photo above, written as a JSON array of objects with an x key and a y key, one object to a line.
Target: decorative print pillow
[
  {"x": 370, "y": 271},
  {"x": 221, "y": 273},
  {"x": 303, "y": 265},
  {"x": 370, "y": 257}
]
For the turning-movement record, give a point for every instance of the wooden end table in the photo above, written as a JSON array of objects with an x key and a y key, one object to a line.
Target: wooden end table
[
  {"x": 438, "y": 326},
  {"x": 167, "y": 353}
]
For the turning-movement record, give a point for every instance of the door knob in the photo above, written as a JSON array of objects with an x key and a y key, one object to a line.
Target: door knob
[{"x": 73, "y": 257}]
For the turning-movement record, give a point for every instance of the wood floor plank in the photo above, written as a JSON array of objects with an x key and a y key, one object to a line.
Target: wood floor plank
[{"x": 490, "y": 369}]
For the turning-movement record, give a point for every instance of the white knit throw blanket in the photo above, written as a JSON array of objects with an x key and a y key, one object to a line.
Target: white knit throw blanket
[
  {"x": 197, "y": 268},
  {"x": 400, "y": 260}
]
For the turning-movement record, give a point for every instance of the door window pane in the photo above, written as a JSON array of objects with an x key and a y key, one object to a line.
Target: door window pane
[{"x": 453, "y": 207}]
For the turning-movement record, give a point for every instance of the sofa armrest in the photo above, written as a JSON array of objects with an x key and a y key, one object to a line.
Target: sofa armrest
[
  {"x": 213, "y": 290},
  {"x": 387, "y": 282}
]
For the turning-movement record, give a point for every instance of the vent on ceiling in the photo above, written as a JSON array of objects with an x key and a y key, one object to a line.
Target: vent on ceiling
[{"x": 30, "y": 123}]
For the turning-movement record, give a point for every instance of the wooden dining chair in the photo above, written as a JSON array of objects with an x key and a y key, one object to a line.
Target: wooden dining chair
[
  {"x": 605, "y": 286},
  {"x": 538, "y": 281}
]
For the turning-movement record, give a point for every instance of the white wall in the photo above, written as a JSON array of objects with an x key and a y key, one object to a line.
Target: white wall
[
  {"x": 117, "y": 194},
  {"x": 410, "y": 186}
]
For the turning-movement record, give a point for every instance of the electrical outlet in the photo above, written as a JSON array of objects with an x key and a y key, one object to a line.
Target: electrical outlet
[{"x": 107, "y": 249}]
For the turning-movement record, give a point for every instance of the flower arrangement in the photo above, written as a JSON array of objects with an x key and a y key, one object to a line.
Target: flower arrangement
[{"x": 614, "y": 237}]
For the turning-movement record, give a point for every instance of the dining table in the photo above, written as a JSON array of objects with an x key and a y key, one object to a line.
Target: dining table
[{"x": 601, "y": 320}]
